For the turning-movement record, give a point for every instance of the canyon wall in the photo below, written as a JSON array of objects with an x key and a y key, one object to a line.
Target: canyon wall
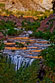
[{"x": 23, "y": 5}]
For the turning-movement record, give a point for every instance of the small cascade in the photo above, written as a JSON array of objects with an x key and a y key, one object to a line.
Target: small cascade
[{"x": 23, "y": 57}]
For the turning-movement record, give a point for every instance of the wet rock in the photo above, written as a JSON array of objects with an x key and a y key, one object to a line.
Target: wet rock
[
  {"x": 30, "y": 32},
  {"x": 23, "y": 54}
]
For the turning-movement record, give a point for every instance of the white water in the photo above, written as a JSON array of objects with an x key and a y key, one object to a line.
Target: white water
[{"x": 18, "y": 56}]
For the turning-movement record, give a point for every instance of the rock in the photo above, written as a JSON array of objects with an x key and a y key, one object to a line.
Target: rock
[
  {"x": 30, "y": 32},
  {"x": 46, "y": 26},
  {"x": 25, "y": 5},
  {"x": 1, "y": 36}
]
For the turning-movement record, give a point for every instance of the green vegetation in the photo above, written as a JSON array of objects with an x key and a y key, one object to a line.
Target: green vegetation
[
  {"x": 44, "y": 35},
  {"x": 19, "y": 44},
  {"x": 34, "y": 13},
  {"x": 38, "y": 14},
  {"x": 30, "y": 73},
  {"x": 23, "y": 75},
  {"x": 49, "y": 60},
  {"x": 30, "y": 25},
  {"x": 41, "y": 34},
  {"x": 28, "y": 42},
  {"x": 1, "y": 45},
  {"x": 6, "y": 25},
  {"x": 7, "y": 72},
  {"x": 8, "y": 28},
  {"x": 49, "y": 56}
]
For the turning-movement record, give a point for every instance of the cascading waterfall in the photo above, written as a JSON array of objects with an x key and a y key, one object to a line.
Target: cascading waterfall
[
  {"x": 20, "y": 61},
  {"x": 21, "y": 57}
]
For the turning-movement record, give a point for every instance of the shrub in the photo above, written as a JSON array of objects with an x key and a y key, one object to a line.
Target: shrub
[
  {"x": 19, "y": 44},
  {"x": 12, "y": 32},
  {"x": 30, "y": 26},
  {"x": 1, "y": 45},
  {"x": 52, "y": 39},
  {"x": 40, "y": 34},
  {"x": 49, "y": 57}
]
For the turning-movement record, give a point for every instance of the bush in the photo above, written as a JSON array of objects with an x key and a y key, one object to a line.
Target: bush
[
  {"x": 1, "y": 45},
  {"x": 7, "y": 75},
  {"x": 6, "y": 25},
  {"x": 19, "y": 44},
  {"x": 12, "y": 32},
  {"x": 49, "y": 57},
  {"x": 8, "y": 28},
  {"x": 30, "y": 25},
  {"x": 43, "y": 35},
  {"x": 52, "y": 39}
]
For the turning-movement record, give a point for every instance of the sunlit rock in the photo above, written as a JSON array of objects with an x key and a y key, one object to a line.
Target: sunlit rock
[{"x": 25, "y": 5}]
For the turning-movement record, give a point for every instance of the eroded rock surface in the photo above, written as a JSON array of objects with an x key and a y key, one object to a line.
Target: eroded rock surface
[{"x": 24, "y": 5}]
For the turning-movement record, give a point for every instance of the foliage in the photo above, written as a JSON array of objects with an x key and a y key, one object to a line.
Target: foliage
[
  {"x": 47, "y": 80},
  {"x": 49, "y": 56},
  {"x": 6, "y": 25},
  {"x": 52, "y": 39},
  {"x": 1, "y": 45},
  {"x": 28, "y": 42},
  {"x": 29, "y": 74},
  {"x": 30, "y": 25},
  {"x": 12, "y": 32},
  {"x": 49, "y": 60},
  {"x": 34, "y": 13},
  {"x": 7, "y": 75},
  {"x": 8, "y": 28},
  {"x": 19, "y": 44},
  {"x": 43, "y": 35},
  {"x": 23, "y": 75}
]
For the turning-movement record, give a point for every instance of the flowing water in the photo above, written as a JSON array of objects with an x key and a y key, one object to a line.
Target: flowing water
[{"x": 26, "y": 55}]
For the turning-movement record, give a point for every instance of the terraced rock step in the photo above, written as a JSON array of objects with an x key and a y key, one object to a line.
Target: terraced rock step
[
  {"x": 35, "y": 50},
  {"x": 33, "y": 57},
  {"x": 19, "y": 38},
  {"x": 24, "y": 55},
  {"x": 15, "y": 48},
  {"x": 35, "y": 45}
]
